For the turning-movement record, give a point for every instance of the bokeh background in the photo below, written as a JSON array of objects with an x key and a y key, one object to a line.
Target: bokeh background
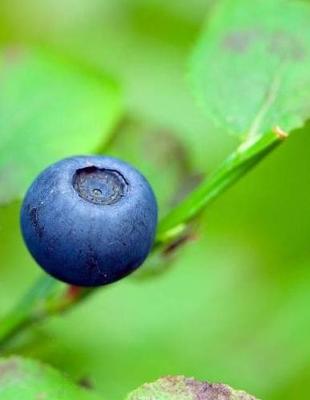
[{"x": 234, "y": 306}]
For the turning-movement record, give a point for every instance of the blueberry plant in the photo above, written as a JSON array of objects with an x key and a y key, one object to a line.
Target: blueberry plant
[{"x": 89, "y": 221}]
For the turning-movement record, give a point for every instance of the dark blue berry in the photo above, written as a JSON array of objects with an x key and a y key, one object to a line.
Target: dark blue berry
[{"x": 89, "y": 220}]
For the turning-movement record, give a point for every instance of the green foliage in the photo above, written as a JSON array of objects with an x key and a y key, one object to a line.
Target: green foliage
[
  {"x": 31, "y": 380},
  {"x": 181, "y": 388},
  {"x": 234, "y": 306},
  {"x": 28, "y": 379},
  {"x": 251, "y": 67},
  {"x": 49, "y": 109}
]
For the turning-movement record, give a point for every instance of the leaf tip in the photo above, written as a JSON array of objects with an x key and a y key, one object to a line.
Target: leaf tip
[
  {"x": 181, "y": 388},
  {"x": 279, "y": 132}
]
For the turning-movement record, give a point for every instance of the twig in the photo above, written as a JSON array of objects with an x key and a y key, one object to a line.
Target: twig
[{"x": 48, "y": 296}]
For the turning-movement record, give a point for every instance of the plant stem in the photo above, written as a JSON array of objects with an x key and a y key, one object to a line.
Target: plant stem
[
  {"x": 45, "y": 298},
  {"x": 232, "y": 169},
  {"x": 48, "y": 296}
]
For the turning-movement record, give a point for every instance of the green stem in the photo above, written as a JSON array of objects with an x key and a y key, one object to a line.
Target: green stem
[
  {"x": 48, "y": 296},
  {"x": 238, "y": 164},
  {"x": 45, "y": 298}
]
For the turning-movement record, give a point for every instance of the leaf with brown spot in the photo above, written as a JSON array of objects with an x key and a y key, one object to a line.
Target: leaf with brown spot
[
  {"x": 182, "y": 388},
  {"x": 251, "y": 66}
]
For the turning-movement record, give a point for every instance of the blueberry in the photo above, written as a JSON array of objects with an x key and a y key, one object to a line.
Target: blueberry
[{"x": 89, "y": 220}]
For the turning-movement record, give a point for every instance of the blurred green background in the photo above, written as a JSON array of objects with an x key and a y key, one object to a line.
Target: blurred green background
[{"x": 234, "y": 305}]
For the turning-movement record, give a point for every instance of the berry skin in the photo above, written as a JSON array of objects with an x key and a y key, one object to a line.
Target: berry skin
[{"x": 89, "y": 220}]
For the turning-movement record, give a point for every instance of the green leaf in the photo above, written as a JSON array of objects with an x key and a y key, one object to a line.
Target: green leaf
[
  {"x": 251, "y": 67},
  {"x": 25, "y": 379},
  {"x": 49, "y": 109},
  {"x": 181, "y": 388}
]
